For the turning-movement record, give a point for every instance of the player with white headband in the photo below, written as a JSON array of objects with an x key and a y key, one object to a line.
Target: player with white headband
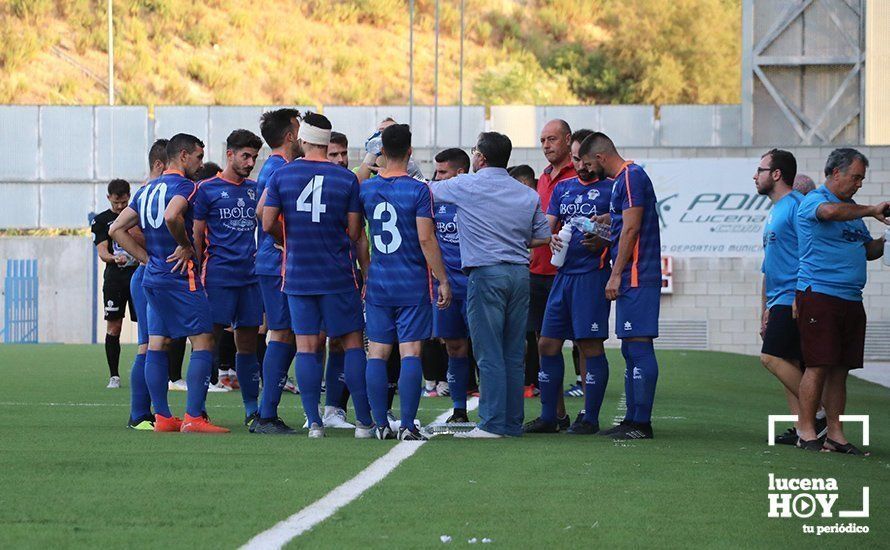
[{"x": 319, "y": 205}]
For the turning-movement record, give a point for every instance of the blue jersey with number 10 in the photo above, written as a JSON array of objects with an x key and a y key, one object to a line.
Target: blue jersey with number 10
[
  {"x": 398, "y": 275},
  {"x": 150, "y": 202},
  {"x": 315, "y": 199}
]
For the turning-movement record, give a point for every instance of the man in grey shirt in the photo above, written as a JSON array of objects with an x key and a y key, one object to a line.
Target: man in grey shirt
[{"x": 499, "y": 219}]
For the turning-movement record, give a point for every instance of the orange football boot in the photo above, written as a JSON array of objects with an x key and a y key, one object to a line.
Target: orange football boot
[
  {"x": 201, "y": 424},
  {"x": 167, "y": 423}
]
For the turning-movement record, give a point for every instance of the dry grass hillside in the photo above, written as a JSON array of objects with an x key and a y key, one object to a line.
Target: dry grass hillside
[{"x": 356, "y": 52}]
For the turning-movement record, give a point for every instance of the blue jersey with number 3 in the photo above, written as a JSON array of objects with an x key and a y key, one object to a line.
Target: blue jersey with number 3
[
  {"x": 315, "y": 199},
  {"x": 398, "y": 275}
]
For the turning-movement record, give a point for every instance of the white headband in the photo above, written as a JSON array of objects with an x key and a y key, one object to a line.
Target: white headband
[{"x": 314, "y": 135}]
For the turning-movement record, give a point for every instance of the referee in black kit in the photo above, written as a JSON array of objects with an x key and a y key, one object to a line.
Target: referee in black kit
[{"x": 119, "y": 267}]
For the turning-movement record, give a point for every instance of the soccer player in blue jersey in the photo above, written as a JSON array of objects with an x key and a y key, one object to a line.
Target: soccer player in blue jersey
[
  {"x": 399, "y": 211},
  {"x": 635, "y": 281},
  {"x": 450, "y": 324},
  {"x": 177, "y": 303},
  {"x": 781, "y": 352},
  {"x": 279, "y": 128},
  {"x": 336, "y": 392},
  {"x": 225, "y": 222},
  {"x": 577, "y": 308},
  {"x": 320, "y": 216},
  {"x": 141, "y": 417}
]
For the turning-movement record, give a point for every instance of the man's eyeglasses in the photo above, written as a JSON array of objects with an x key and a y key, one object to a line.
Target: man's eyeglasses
[{"x": 759, "y": 169}]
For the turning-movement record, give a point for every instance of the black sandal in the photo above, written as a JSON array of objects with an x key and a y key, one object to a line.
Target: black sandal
[
  {"x": 811, "y": 445},
  {"x": 846, "y": 448}
]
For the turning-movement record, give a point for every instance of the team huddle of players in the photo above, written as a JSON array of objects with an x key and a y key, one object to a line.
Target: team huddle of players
[{"x": 324, "y": 256}]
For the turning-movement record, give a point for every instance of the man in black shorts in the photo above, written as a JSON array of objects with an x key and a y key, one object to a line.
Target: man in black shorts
[
  {"x": 119, "y": 268},
  {"x": 781, "y": 354}
]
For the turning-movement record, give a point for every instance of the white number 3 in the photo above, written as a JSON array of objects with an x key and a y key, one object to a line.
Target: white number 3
[{"x": 388, "y": 226}]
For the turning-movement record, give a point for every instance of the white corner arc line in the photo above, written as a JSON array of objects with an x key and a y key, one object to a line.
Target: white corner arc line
[{"x": 310, "y": 516}]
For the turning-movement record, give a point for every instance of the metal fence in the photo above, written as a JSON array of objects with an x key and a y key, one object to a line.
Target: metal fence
[
  {"x": 20, "y": 302},
  {"x": 97, "y": 143},
  {"x": 56, "y": 161}
]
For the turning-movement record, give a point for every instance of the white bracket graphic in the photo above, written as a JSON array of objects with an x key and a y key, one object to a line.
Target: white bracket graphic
[
  {"x": 860, "y": 513},
  {"x": 773, "y": 418}
]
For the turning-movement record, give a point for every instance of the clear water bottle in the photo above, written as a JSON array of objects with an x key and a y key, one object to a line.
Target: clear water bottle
[
  {"x": 586, "y": 225},
  {"x": 887, "y": 247},
  {"x": 565, "y": 235}
]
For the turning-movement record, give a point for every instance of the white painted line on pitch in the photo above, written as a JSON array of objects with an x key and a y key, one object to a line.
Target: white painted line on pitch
[{"x": 320, "y": 510}]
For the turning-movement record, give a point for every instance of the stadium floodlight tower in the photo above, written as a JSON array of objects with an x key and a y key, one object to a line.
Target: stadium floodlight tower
[{"x": 803, "y": 71}]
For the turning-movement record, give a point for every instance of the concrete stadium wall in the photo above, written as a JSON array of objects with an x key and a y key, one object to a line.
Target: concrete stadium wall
[
  {"x": 65, "y": 271},
  {"x": 723, "y": 292}
]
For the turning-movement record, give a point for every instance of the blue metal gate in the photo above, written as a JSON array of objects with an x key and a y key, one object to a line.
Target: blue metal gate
[{"x": 20, "y": 317}]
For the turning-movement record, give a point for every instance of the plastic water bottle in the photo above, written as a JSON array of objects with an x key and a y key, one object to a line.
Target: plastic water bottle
[
  {"x": 586, "y": 225},
  {"x": 565, "y": 235},
  {"x": 887, "y": 247}
]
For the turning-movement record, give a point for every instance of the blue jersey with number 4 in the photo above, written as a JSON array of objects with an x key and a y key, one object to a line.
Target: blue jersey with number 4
[
  {"x": 315, "y": 199},
  {"x": 150, "y": 202},
  {"x": 398, "y": 275}
]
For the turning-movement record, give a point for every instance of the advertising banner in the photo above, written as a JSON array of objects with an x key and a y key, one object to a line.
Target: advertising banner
[{"x": 708, "y": 207}]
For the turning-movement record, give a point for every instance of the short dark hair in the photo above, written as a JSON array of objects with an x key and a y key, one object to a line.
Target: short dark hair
[
  {"x": 597, "y": 142},
  {"x": 580, "y": 135},
  {"x": 209, "y": 170},
  {"x": 275, "y": 124},
  {"x": 317, "y": 120},
  {"x": 243, "y": 139},
  {"x": 842, "y": 159},
  {"x": 157, "y": 152},
  {"x": 523, "y": 171},
  {"x": 339, "y": 138},
  {"x": 396, "y": 141},
  {"x": 118, "y": 187},
  {"x": 182, "y": 142},
  {"x": 495, "y": 147},
  {"x": 455, "y": 156},
  {"x": 784, "y": 162}
]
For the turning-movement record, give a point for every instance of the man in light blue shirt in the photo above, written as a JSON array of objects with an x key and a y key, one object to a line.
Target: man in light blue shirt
[
  {"x": 780, "y": 353},
  {"x": 834, "y": 246},
  {"x": 499, "y": 220}
]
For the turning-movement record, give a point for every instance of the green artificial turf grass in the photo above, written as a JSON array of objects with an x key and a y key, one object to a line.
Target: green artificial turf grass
[{"x": 71, "y": 475}]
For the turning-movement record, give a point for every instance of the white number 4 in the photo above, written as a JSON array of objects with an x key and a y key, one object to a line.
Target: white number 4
[{"x": 316, "y": 207}]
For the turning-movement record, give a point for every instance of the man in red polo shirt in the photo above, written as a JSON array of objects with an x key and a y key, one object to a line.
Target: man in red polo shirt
[{"x": 556, "y": 143}]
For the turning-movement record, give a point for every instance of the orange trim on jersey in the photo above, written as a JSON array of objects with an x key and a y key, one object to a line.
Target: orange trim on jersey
[
  {"x": 283, "y": 252},
  {"x": 219, "y": 175},
  {"x": 634, "y": 267},
  {"x": 177, "y": 172},
  {"x": 429, "y": 279},
  {"x": 192, "y": 195},
  {"x": 603, "y": 257},
  {"x": 206, "y": 256},
  {"x": 191, "y": 272},
  {"x": 630, "y": 200}
]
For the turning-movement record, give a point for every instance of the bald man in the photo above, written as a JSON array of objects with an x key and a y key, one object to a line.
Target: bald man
[{"x": 556, "y": 144}]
